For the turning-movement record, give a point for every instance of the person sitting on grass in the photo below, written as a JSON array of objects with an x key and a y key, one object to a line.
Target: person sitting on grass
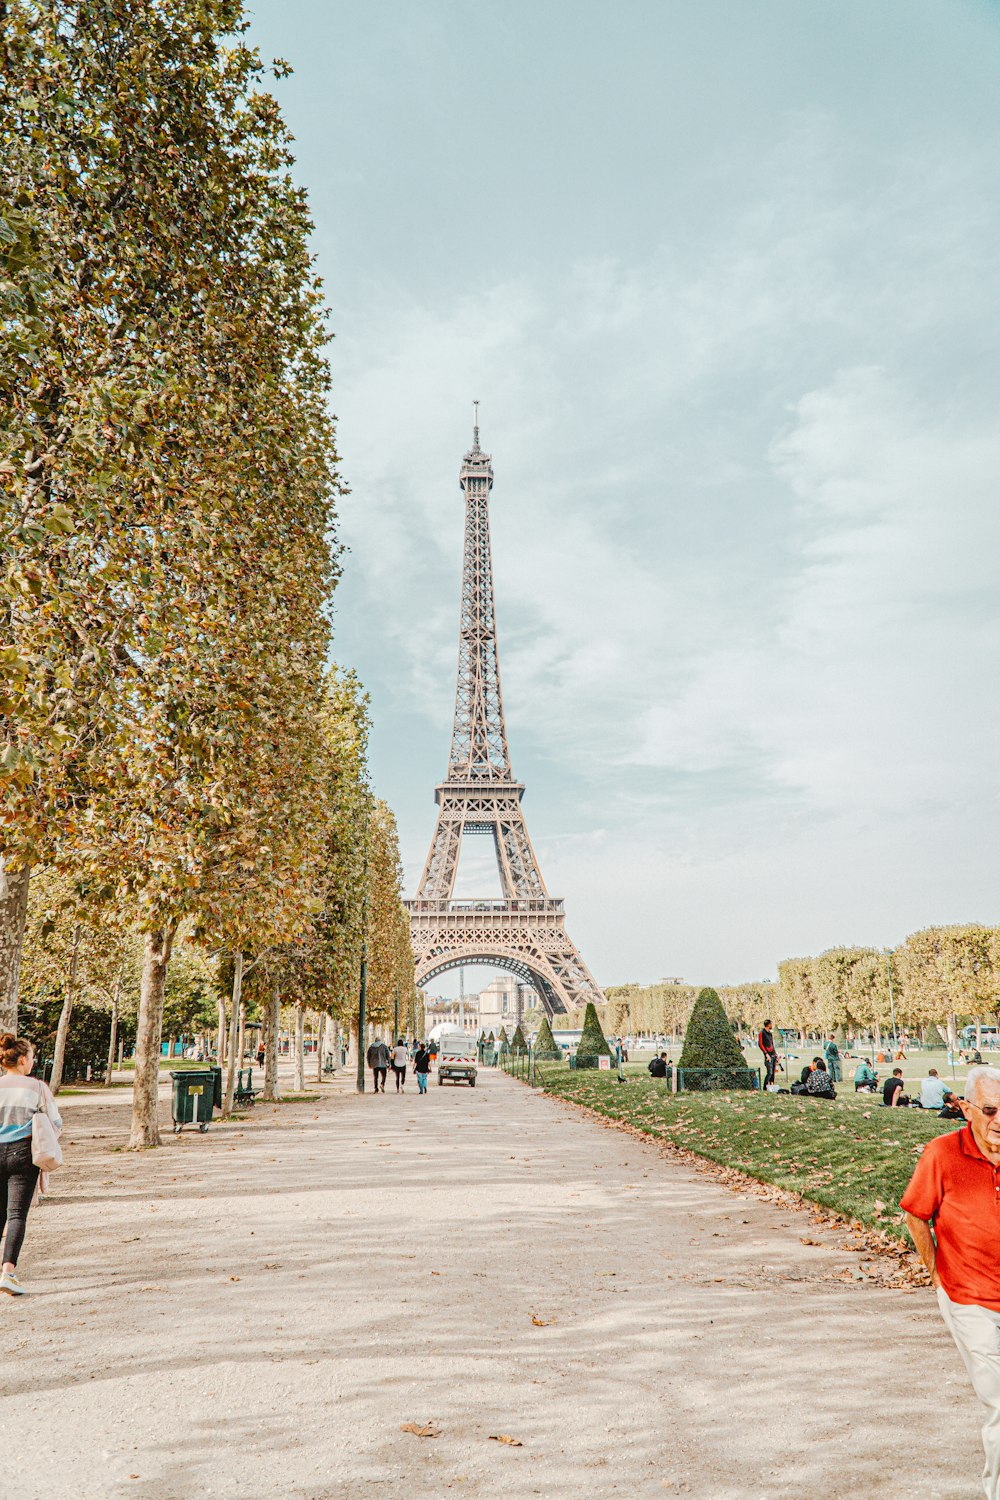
[
  {"x": 932, "y": 1091},
  {"x": 658, "y": 1066},
  {"x": 819, "y": 1084},
  {"x": 952, "y": 1108},
  {"x": 865, "y": 1078},
  {"x": 810, "y": 1068},
  {"x": 892, "y": 1090}
]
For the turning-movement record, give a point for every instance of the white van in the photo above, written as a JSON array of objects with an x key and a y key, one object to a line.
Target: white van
[{"x": 456, "y": 1058}]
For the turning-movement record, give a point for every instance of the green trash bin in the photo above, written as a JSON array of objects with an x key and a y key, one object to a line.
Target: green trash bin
[
  {"x": 217, "y": 1092},
  {"x": 193, "y": 1098}
]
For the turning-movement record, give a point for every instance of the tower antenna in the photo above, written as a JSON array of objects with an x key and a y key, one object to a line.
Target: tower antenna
[{"x": 475, "y": 425}]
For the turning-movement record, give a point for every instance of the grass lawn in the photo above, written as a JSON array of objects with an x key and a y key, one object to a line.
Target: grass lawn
[{"x": 849, "y": 1155}]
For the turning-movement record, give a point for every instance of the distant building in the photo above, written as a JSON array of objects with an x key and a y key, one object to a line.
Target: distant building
[
  {"x": 504, "y": 1002},
  {"x": 441, "y": 1008}
]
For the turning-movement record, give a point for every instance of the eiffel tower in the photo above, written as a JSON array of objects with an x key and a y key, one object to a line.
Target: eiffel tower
[{"x": 525, "y": 931}]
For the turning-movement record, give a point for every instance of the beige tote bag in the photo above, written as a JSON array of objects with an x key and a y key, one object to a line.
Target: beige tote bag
[{"x": 46, "y": 1151}]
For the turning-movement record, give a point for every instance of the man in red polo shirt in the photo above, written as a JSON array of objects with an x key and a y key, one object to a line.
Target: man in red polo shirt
[{"x": 952, "y": 1208}]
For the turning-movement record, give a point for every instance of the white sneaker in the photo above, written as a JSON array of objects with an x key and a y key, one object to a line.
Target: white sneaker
[{"x": 10, "y": 1284}]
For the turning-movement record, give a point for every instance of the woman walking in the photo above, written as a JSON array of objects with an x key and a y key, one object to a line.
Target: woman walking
[
  {"x": 20, "y": 1097},
  {"x": 399, "y": 1061},
  {"x": 422, "y": 1066}
]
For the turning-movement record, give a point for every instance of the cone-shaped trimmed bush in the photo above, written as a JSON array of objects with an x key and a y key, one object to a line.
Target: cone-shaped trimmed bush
[
  {"x": 593, "y": 1042},
  {"x": 545, "y": 1042},
  {"x": 518, "y": 1043},
  {"x": 934, "y": 1037},
  {"x": 503, "y": 1045},
  {"x": 709, "y": 1040}
]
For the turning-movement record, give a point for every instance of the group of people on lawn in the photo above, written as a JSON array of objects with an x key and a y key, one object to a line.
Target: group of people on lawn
[{"x": 934, "y": 1095}]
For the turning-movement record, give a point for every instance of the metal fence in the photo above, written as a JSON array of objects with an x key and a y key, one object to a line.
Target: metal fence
[
  {"x": 521, "y": 1065},
  {"x": 528, "y": 1069},
  {"x": 702, "y": 1080}
]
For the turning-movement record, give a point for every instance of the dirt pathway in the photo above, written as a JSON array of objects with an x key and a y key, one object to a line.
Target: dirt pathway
[{"x": 256, "y": 1312}]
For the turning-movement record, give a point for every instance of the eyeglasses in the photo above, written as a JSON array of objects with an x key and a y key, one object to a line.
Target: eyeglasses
[{"x": 989, "y": 1110}]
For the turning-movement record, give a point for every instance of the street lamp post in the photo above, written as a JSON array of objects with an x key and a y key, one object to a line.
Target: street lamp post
[
  {"x": 892, "y": 1003},
  {"x": 363, "y": 990}
]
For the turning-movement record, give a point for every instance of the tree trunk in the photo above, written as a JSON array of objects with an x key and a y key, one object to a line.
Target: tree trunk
[
  {"x": 13, "y": 911},
  {"x": 65, "y": 1016},
  {"x": 114, "y": 1032},
  {"x": 234, "y": 1022},
  {"x": 299, "y": 1076},
  {"x": 320, "y": 1035},
  {"x": 221, "y": 1039},
  {"x": 271, "y": 1089},
  {"x": 241, "y": 1049},
  {"x": 148, "y": 1031},
  {"x": 952, "y": 1024}
]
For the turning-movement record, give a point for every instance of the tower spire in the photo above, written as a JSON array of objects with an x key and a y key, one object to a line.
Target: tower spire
[{"x": 475, "y": 427}]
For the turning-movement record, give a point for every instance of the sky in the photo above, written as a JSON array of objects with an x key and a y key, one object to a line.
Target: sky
[{"x": 724, "y": 279}]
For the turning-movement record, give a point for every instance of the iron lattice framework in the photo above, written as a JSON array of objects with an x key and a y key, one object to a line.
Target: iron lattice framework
[{"x": 525, "y": 931}]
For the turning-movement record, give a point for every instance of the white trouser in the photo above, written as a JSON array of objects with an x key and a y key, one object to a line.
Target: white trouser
[{"x": 976, "y": 1331}]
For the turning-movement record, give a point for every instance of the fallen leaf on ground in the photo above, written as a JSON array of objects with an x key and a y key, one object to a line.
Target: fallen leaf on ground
[
  {"x": 541, "y": 1322},
  {"x": 805, "y": 1240},
  {"x": 429, "y": 1429},
  {"x": 505, "y": 1437}
]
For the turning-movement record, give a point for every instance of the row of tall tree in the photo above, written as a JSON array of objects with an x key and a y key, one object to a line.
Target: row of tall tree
[
  {"x": 173, "y": 747},
  {"x": 940, "y": 976}
]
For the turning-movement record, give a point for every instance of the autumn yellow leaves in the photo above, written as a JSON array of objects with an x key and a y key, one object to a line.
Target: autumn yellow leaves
[{"x": 173, "y": 741}]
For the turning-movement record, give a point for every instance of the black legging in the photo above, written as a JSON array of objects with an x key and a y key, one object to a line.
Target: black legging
[
  {"x": 380, "y": 1075},
  {"x": 770, "y": 1064},
  {"x": 400, "y": 1075},
  {"x": 18, "y": 1176}
]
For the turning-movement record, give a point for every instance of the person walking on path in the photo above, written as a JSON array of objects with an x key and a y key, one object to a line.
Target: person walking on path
[
  {"x": 400, "y": 1058},
  {"x": 422, "y": 1066},
  {"x": 378, "y": 1061},
  {"x": 765, "y": 1041},
  {"x": 20, "y": 1097},
  {"x": 952, "y": 1208},
  {"x": 832, "y": 1054}
]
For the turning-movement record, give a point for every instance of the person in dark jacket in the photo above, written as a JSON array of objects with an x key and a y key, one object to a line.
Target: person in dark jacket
[
  {"x": 765, "y": 1041},
  {"x": 378, "y": 1061},
  {"x": 422, "y": 1067},
  {"x": 658, "y": 1066}
]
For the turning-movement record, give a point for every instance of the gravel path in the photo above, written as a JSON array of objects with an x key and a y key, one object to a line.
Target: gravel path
[{"x": 256, "y": 1312}]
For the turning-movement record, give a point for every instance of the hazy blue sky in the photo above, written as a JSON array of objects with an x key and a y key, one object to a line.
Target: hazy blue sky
[{"x": 724, "y": 276}]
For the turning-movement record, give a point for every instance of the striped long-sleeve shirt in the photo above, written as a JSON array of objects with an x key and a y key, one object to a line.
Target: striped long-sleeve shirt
[{"x": 19, "y": 1097}]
